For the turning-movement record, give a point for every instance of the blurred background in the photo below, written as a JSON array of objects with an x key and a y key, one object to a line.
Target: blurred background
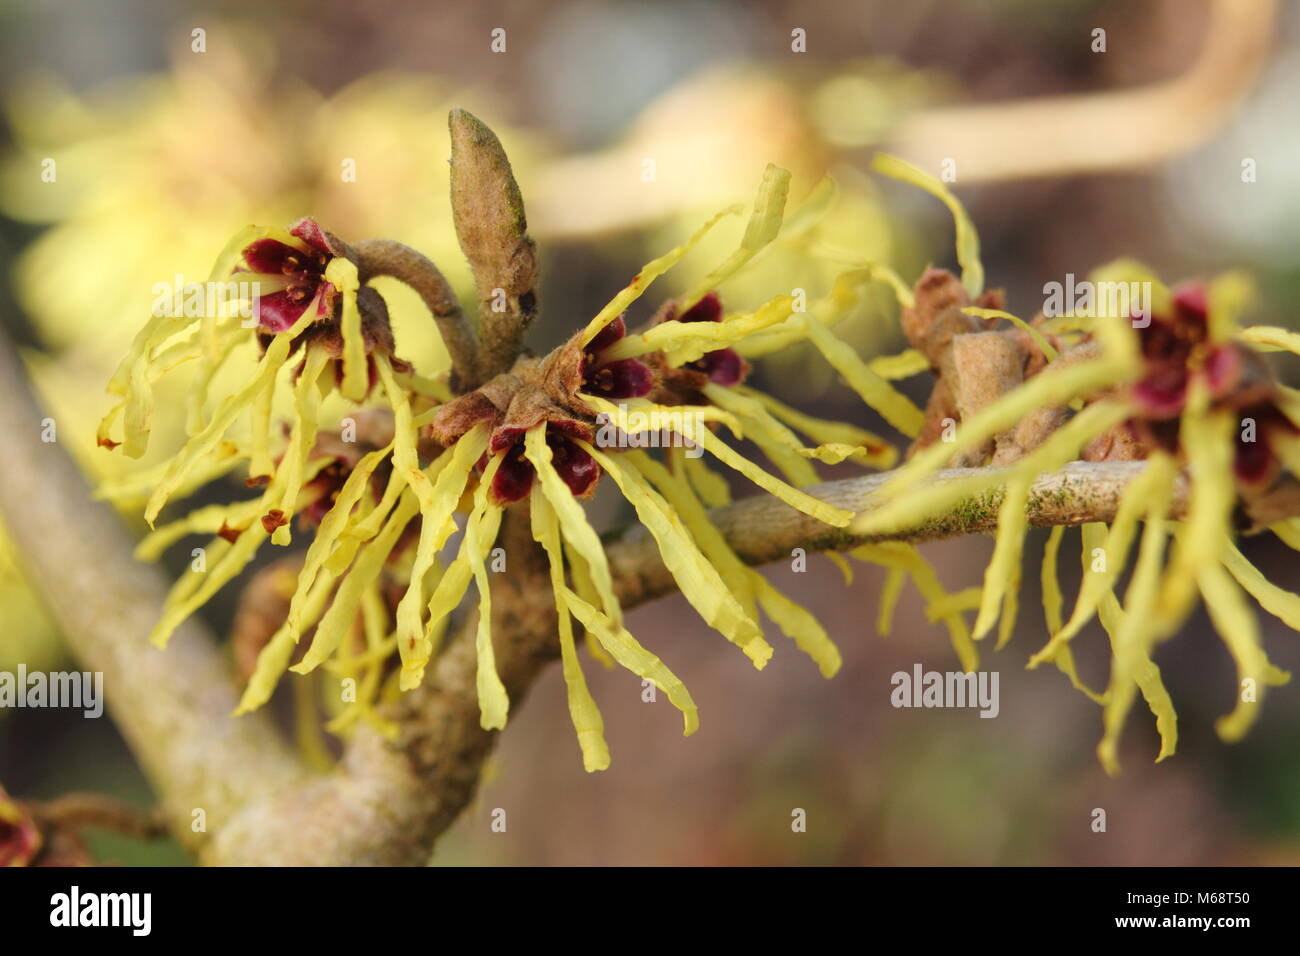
[{"x": 1173, "y": 135}]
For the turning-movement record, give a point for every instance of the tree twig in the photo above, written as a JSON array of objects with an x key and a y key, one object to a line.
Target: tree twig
[{"x": 387, "y": 257}]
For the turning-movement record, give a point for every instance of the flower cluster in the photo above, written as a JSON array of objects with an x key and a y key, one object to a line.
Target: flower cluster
[
  {"x": 383, "y": 505},
  {"x": 1184, "y": 390},
  {"x": 384, "y": 492}
]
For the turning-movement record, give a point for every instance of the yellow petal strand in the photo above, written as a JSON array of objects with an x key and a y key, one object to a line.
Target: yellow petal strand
[
  {"x": 967, "y": 599},
  {"x": 968, "y": 242},
  {"x": 708, "y": 484},
  {"x": 1236, "y": 624},
  {"x": 451, "y": 587},
  {"x": 1271, "y": 338},
  {"x": 872, "y": 450},
  {"x": 1282, "y": 604},
  {"x": 1132, "y": 635},
  {"x": 1053, "y": 602},
  {"x": 743, "y": 581},
  {"x": 138, "y": 419},
  {"x": 903, "y": 556},
  {"x": 684, "y": 342},
  {"x": 342, "y": 274},
  {"x": 764, "y": 224},
  {"x": 778, "y": 443},
  {"x": 1010, "y": 608},
  {"x": 1206, "y": 437},
  {"x": 635, "y": 416},
  {"x": 573, "y": 521},
  {"x": 274, "y": 658},
  {"x": 202, "y": 445},
  {"x": 260, "y": 463},
  {"x": 272, "y": 662},
  {"x": 800, "y": 625},
  {"x": 895, "y": 407},
  {"x": 927, "y": 582},
  {"x": 587, "y": 591},
  {"x": 889, "y": 594},
  {"x": 374, "y": 615},
  {"x": 841, "y": 562},
  {"x": 406, "y": 459},
  {"x": 453, "y": 468},
  {"x": 1228, "y": 296},
  {"x": 206, "y": 520},
  {"x": 698, "y": 579},
  {"x": 368, "y": 525},
  {"x": 630, "y": 654},
  {"x": 677, "y": 491},
  {"x": 1097, "y": 581},
  {"x": 584, "y": 713},
  {"x": 222, "y": 570},
  {"x": 792, "y": 496},
  {"x": 302, "y": 437},
  {"x": 157, "y": 328},
  {"x": 903, "y": 365},
  {"x": 331, "y": 528},
  {"x": 649, "y": 272},
  {"x": 480, "y": 533},
  {"x": 340, "y": 619},
  {"x": 1004, "y": 567}
]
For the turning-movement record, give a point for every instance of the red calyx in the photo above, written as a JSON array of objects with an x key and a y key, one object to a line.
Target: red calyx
[
  {"x": 514, "y": 478},
  {"x": 621, "y": 378}
]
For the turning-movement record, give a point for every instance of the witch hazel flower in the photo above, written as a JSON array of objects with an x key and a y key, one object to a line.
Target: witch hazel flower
[
  {"x": 290, "y": 272},
  {"x": 317, "y": 330},
  {"x": 1178, "y": 350},
  {"x": 529, "y": 438},
  {"x": 1176, "y": 395}
]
